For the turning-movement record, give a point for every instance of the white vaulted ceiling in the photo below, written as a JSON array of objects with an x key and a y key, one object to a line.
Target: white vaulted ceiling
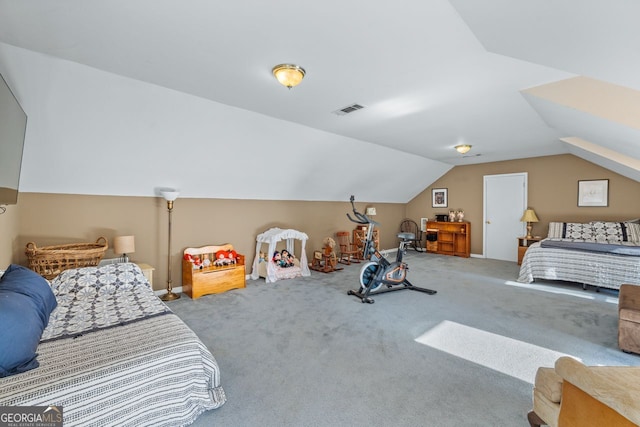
[{"x": 506, "y": 77}]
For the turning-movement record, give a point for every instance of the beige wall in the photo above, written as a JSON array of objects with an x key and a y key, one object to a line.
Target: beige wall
[
  {"x": 57, "y": 218},
  {"x": 553, "y": 189},
  {"x": 49, "y": 219}
]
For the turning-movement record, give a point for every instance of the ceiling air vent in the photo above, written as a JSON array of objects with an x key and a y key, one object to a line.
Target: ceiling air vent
[{"x": 348, "y": 109}]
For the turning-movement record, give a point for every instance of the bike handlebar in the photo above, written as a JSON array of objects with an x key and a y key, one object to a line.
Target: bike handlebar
[{"x": 360, "y": 218}]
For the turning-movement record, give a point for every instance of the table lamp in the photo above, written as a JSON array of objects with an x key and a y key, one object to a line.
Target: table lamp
[
  {"x": 529, "y": 216},
  {"x": 124, "y": 245}
]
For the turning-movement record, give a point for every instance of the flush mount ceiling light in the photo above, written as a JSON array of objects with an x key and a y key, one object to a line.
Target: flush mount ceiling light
[
  {"x": 463, "y": 149},
  {"x": 289, "y": 75}
]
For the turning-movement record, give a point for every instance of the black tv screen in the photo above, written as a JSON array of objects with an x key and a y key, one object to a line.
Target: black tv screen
[{"x": 13, "y": 125}]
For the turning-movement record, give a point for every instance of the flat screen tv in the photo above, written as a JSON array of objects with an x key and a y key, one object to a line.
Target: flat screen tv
[{"x": 13, "y": 125}]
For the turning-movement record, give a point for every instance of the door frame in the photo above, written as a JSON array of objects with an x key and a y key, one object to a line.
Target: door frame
[{"x": 525, "y": 201}]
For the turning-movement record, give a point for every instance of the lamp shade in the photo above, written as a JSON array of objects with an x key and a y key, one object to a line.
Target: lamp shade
[
  {"x": 124, "y": 244},
  {"x": 370, "y": 211},
  {"x": 170, "y": 195},
  {"x": 529, "y": 216}
]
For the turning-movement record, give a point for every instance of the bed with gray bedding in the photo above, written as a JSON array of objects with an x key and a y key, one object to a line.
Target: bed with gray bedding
[
  {"x": 599, "y": 253},
  {"x": 114, "y": 354}
]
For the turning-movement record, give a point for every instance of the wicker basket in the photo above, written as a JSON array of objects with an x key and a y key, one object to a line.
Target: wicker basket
[{"x": 49, "y": 261}]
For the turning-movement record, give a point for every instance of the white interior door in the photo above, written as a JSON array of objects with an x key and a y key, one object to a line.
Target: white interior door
[{"x": 505, "y": 200}]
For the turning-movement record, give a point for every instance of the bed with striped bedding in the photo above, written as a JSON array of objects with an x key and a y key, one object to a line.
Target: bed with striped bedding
[
  {"x": 588, "y": 268},
  {"x": 114, "y": 354},
  {"x": 598, "y": 253}
]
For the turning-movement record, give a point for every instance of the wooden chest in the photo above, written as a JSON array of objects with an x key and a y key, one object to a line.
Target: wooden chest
[{"x": 212, "y": 280}]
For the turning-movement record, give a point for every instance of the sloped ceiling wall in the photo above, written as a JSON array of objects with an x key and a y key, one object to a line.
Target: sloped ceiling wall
[
  {"x": 155, "y": 106},
  {"x": 598, "y": 113},
  {"x": 93, "y": 132}
]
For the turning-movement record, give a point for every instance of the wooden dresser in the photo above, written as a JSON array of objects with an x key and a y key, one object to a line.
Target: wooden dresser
[{"x": 453, "y": 238}]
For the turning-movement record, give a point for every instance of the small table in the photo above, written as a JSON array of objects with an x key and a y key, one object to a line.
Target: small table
[
  {"x": 523, "y": 245},
  {"x": 147, "y": 270}
]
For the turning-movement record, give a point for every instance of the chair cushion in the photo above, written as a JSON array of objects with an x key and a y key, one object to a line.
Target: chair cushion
[
  {"x": 406, "y": 236},
  {"x": 546, "y": 409},
  {"x": 614, "y": 386},
  {"x": 549, "y": 384}
]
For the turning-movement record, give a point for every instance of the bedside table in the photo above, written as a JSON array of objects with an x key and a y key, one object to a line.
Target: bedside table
[
  {"x": 523, "y": 245},
  {"x": 147, "y": 270}
]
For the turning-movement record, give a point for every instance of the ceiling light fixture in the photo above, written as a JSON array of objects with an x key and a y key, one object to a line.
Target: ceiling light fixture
[
  {"x": 463, "y": 149},
  {"x": 289, "y": 75}
]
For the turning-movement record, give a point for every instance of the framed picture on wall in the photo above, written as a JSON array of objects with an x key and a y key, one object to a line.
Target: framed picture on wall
[
  {"x": 593, "y": 192},
  {"x": 439, "y": 198}
]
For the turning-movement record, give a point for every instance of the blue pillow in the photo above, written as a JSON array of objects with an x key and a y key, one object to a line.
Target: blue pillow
[{"x": 26, "y": 301}]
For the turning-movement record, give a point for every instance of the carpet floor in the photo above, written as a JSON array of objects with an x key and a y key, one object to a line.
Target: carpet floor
[{"x": 301, "y": 352}]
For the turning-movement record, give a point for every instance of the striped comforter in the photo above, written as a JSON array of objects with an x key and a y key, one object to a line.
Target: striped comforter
[
  {"x": 151, "y": 370},
  {"x": 590, "y": 268}
]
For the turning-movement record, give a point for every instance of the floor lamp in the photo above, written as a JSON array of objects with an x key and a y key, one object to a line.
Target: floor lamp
[{"x": 169, "y": 196}]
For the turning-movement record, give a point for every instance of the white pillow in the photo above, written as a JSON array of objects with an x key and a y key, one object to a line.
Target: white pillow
[
  {"x": 555, "y": 230},
  {"x": 633, "y": 231}
]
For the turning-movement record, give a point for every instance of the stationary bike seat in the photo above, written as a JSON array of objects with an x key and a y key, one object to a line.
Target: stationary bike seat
[{"x": 406, "y": 236}]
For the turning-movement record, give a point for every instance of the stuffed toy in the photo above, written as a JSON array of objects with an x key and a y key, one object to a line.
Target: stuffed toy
[
  {"x": 277, "y": 259},
  {"x": 287, "y": 258},
  {"x": 221, "y": 259},
  {"x": 197, "y": 262},
  {"x": 206, "y": 262}
]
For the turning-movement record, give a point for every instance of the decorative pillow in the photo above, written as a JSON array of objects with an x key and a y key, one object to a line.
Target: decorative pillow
[
  {"x": 633, "y": 231},
  {"x": 577, "y": 230},
  {"x": 555, "y": 230},
  {"x": 26, "y": 301},
  {"x": 107, "y": 278},
  {"x": 610, "y": 232}
]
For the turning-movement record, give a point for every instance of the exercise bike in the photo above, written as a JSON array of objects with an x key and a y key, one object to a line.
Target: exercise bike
[{"x": 378, "y": 275}]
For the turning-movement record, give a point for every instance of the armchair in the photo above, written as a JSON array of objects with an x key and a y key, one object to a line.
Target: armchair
[
  {"x": 575, "y": 395},
  {"x": 629, "y": 318}
]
